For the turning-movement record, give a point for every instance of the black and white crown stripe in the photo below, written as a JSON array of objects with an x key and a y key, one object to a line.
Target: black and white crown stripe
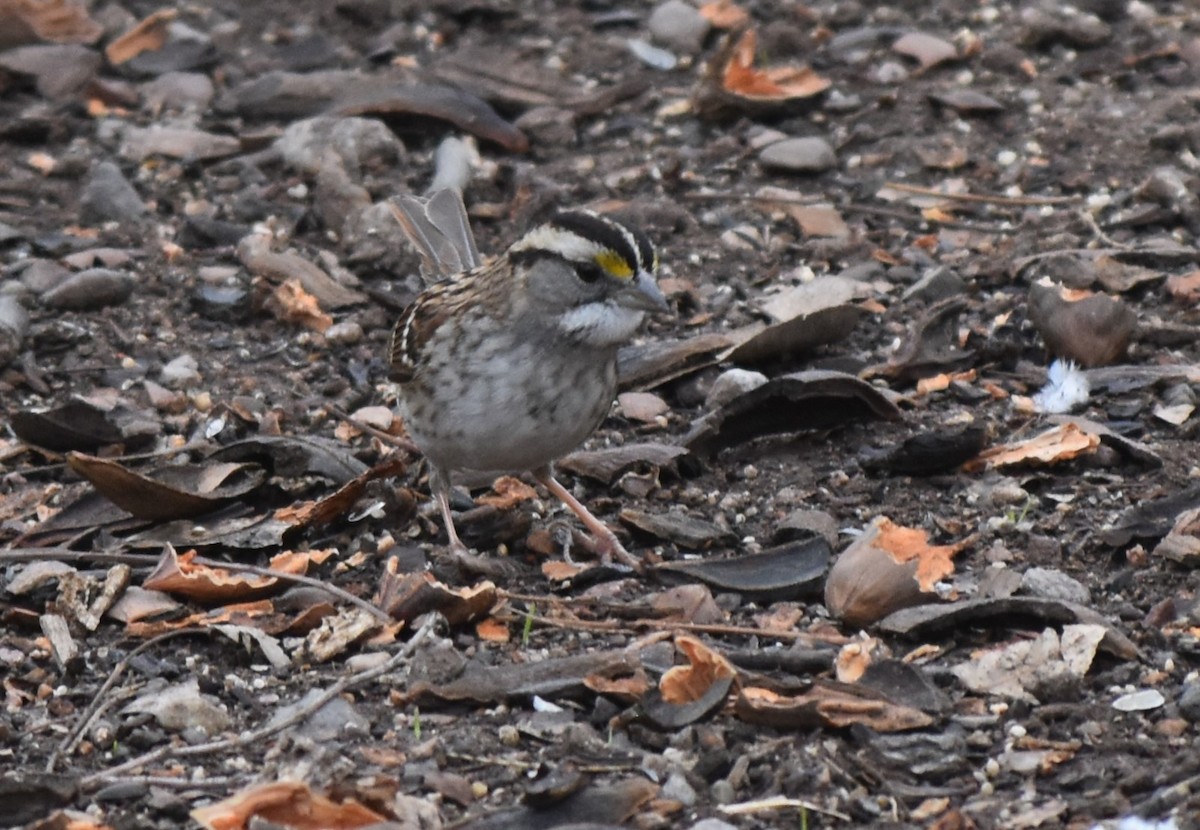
[{"x": 579, "y": 235}]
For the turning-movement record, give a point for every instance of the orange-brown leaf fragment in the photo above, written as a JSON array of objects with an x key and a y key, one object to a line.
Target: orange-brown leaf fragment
[
  {"x": 1184, "y": 288},
  {"x": 284, "y": 804},
  {"x": 1061, "y": 443},
  {"x": 778, "y": 83},
  {"x": 725, "y": 14},
  {"x": 507, "y": 493},
  {"x": 887, "y": 568},
  {"x": 684, "y": 684},
  {"x": 292, "y": 304},
  {"x": 58, "y": 21},
  {"x": 149, "y": 35}
]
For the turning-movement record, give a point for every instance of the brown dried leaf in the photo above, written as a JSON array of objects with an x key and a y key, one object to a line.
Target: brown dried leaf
[
  {"x": 149, "y": 35},
  {"x": 58, "y": 21},
  {"x": 292, "y": 304},
  {"x": 684, "y": 684},
  {"x": 1061, "y": 443},
  {"x": 1184, "y": 288},
  {"x": 831, "y": 705},
  {"x": 507, "y": 493},
  {"x": 172, "y": 492},
  {"x": 178, "y": 574},
  {"x": 284, "y": 804},
  {"x": 779, "y": 83},
  {"x": 925, "y": 49},
  {"x": 725, "y": 14},
  {"x": 406, "y": 596}
]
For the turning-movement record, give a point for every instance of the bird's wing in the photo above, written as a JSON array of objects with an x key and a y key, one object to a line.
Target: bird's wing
[{"x": 438, "y": 228}]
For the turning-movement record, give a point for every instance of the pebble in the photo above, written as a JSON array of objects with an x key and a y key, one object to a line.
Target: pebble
[
  {"x": 938, "y": 283},
  {"x": 1054, "y": 584},
  {"x": 679, "y": 26},
  {"x": 1140, "y": 701},
  {"x": 43, "y": 274},
  {"x": 799, "y": 155},
  {"x": 732, "y": 384},
  {"x": 346, "y": 333},
  {"x": 109, "y": 197},
  {"x": 90, "y": 289},
  {"x": 178, "y": 91},
  {"x": 713, "y": 823},
  {"x": 357, "y": 142},
  {"x": 678, "y": 789},
  {"x": 181, "y": 372},
  {"x": 1189, "y": 702}
]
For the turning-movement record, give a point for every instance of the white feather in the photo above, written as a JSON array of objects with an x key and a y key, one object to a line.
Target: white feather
[{"x": 1066, "y": 388}]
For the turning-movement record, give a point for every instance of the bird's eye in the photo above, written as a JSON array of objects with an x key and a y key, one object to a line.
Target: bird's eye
[{"x": 589, "y": 271}]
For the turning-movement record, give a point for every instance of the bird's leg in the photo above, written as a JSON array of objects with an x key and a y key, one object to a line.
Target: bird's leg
[
  {"x": 607, "y": 544},
  {"x": 472, "y": 563}
]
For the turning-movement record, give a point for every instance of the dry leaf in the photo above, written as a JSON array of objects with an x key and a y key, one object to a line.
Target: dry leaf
[
  {"x": 684, "y": 684},
  {"x": 149, "y": 35},
  {"x": 1184, "y": 288},
  {"x": 1061, "y": 443},
  {"x": 507, "y": 493},
  {"x": 778, "y": 83},
  {"x": 725, "y": 14},
  {"x": 887, "y": 568},
  {"x": 292, "y": 304},
  {"x": 59, "y": 21},
  {"x": 284, "y": 804}
]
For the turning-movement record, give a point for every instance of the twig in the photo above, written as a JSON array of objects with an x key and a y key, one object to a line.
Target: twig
[
  {"x": 612, "y": 626},
  {"x": 99, "y": 779},
  {"x": 777, "y": 802},
  {"x": 1012, "y": 201},
  {"x": 100, "y": 703},
  {"x": 372, "y": 609}
]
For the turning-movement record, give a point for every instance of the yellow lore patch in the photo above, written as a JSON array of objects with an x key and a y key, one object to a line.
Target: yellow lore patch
[{"x": 614, "y": 264}]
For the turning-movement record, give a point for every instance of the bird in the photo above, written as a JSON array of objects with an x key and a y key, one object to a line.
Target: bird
[{"x": 508, "y": 365}]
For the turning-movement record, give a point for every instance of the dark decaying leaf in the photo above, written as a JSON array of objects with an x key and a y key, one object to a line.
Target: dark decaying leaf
[
  {"x": 1182, "y": 544},
  {"x": 606, "y": 807},
  {"x": 924, "y": 621},
  {"x": 407, "y": 596},
  {"x": 805, "y": 317},
  {"x": 173, "y": 492},
  {"x": 1150, "y": 519},
  {"x": 607, "y": 464},
  {"x": 84, "y": 516},
  {"x": 688, "y": 692},
  {"x": 673, "y": 716},
  {"x": 76, "y": 425},
  {"x": 1128, "y": 448},
  {"x": 655, "y": 362},
  {"x": 929, "y": 453},
  {"x": 29, "y": 795},
  {"x": 687, "y": 532},
  {"x": 554, "y": 677},
  {"x": 411, "y": 100},
  {"x": 932, "y": 346},
  {"x": 905, "y": 683},
  {"x": 790, "y": 571},
  {"x": 812, "y": 400},
  {"x": 292, "y": 456}
]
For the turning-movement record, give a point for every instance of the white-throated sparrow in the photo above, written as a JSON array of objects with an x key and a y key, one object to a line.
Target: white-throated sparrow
[{"x": 510, "y": 365}]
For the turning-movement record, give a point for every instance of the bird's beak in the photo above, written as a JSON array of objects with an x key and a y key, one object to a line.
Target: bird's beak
[{"x": 643, "y": 294}]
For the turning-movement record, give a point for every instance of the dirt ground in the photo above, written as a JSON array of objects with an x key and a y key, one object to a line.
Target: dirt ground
[{"x": 213, "y": 286}]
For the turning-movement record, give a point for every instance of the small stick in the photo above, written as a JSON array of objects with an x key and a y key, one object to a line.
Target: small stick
[{"x": 1013, "y": 201}]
